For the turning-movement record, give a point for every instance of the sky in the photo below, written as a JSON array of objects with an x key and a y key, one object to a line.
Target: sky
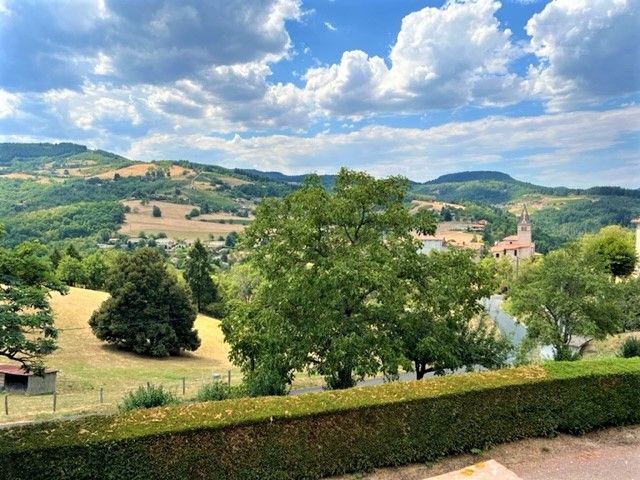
[{"x": 545, "y": 90}]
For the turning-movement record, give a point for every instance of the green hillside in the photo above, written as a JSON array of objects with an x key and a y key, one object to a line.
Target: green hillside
[{"x": 61, "y": 192}]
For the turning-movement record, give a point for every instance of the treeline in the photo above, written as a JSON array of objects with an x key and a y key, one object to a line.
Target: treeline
[
  {"x": 552, "y": 227},
  {"x": 66, "y": 222},
  {"x": 9, "y": 151}
]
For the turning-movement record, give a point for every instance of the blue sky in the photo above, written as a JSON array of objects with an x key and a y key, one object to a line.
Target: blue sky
[{"x": 546, "y": 90}]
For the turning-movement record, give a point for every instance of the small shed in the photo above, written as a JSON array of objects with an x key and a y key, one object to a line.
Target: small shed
[{"x": 14, "y": 379}]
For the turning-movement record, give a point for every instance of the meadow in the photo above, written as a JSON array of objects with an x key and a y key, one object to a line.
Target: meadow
[
  {"x": 86, "y": 365},
  {"x": 173, "y": 221}
]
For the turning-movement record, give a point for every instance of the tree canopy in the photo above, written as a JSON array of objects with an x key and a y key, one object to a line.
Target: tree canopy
[
  {"x": 615, "y": 246},
  {"x": 197, "y": 273},
  {"x": 335, "y": 267},
  {"x": 27, "y": 330},
  {"x": 565, "y": 294},
  {"x": 443, "y": 327},
  {"x": 149, "y": 311}
]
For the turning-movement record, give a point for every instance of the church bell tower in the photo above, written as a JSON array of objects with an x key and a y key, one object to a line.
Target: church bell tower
[{"x": 524, "y": 227}]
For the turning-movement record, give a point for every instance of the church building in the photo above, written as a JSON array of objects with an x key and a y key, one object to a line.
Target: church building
[{"x": 518, "y": 246}]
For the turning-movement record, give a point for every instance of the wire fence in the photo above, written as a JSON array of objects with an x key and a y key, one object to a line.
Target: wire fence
[{"x": 17, "y": 406}]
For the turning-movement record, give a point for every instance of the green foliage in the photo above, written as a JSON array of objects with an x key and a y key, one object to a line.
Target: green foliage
[
  {"x": 96, "y": 268},
  {"x": 615, "y": 247},
  {"x": 149, "y": 311},
  {"x": 71, "y": 271},
  {"x": 147, "y": 397},
  {"x": 554, "y": 227},
  {"x": 335, "y": 266},
  {"x": 11, "y": 151},
  {"x": 231, "y": 240},
  {"x": 27, "y": 330},
  {"x": 566, "y": 294},
  {"x": 330, "y": 433},
  {"x": 216, "y": 391},
  {"x": 197, "y": 273},
  {"x": 630, "y": 347},
  {"x": 443, "y": 328},
  {"x": 156, "y": 212},
  {"x": 62, "y": 223}
]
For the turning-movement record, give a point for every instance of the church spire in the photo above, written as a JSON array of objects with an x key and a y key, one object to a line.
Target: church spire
[{"x": 524, "y": 216}]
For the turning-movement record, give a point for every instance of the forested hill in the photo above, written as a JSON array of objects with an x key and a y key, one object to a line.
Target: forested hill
[{"x": 57, "y": 192}]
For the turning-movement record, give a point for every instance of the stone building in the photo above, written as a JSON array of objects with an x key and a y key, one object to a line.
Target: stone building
[{"x": 517, "y": 247}]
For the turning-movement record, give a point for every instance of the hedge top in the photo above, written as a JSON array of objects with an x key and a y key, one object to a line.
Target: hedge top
[{"x": 215, "y": 415}]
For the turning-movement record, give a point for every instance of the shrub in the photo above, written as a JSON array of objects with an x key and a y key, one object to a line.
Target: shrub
[
  {"x": 147, "y": 397},
  {"x": 333, "y": 432},
  {"x": 156, "y": 212},
  {"x": 216, "y": 391},
  {"x": 630, "y": 347}
]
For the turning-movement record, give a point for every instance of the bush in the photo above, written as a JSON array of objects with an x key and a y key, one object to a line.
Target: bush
[
  {"x": 156, "y": 212},
  {"x": 630, "y": 347},
  {"x": 216, "y": 391},
  {"x": 147, "y": 397},
  {"x": 333, "y": 432}
]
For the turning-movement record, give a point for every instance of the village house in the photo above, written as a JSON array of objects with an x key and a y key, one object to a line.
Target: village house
[
  {"x": 430, "y": 243},
  {"x": 517, "y": 247},
  {"x": 165, "y": 243},
  {"x": 478, "y": 226}
]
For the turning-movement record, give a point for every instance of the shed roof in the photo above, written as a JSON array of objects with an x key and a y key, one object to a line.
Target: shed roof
[{"x": 18, "y": 370}]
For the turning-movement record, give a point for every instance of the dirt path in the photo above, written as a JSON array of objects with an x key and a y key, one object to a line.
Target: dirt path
[{"x": 612, "y": 453}]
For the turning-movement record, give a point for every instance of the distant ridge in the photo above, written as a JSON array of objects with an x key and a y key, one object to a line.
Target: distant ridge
[{"x": 469, "y": 176}]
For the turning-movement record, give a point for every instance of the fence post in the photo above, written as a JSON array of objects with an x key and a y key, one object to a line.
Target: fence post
[
  {"x": 229, "y": 377},
  {"x": 55, "y": 398},
  {"x": 6, "y": 404},
  {"x": 101, "y": 395},
  {"x": 184, "y": 385}
]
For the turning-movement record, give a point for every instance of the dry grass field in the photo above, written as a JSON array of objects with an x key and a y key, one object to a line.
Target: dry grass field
[
  {"x": 435, "y": 205},
  {"x": 86, "y": 364},
  {"x": 452, "y": 232},
  {"x": 140, "y": 169},
  {"x": 538, "y": 202},
  {"x": 173, "y": 221}
]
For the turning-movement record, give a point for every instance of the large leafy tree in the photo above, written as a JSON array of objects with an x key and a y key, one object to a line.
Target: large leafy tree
[
  {"x": 197, "y": 273},
  {"x": 444, "y": 327},
  {"x": 566, "y": 294},
  {"x": 336, "y": 270},
  {"x": 149, "y": 311},
  {"x": 27, "y": 330},
  {"x": 615, "y": 247}
]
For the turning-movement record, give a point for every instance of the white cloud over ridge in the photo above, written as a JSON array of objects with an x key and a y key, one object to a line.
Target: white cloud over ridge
[
  {"x": 179, "y": 78},
  {"x": 569, "y": 142}
]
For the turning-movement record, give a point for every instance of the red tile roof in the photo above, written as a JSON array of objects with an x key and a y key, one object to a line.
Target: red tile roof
[
  {"x": 500, "y": 246},
  {"x": 17, "y": 370}
]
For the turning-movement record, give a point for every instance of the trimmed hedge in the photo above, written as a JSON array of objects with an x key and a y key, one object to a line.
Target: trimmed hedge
[{"x": 328, "y": 433}]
